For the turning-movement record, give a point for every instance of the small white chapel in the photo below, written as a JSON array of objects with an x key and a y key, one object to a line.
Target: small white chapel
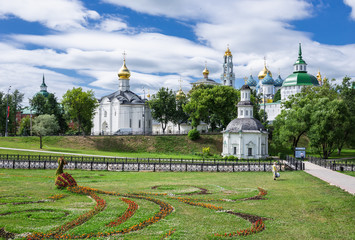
[{"x": 245, "y": 137}]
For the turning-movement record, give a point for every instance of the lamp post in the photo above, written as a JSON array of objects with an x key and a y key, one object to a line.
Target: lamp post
[{"x": 7, "y": 111}]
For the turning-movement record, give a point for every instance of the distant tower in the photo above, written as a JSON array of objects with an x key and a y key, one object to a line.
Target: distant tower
[
  {"x": 228, "y": 77},
  {"x": 43, "y": 88}
]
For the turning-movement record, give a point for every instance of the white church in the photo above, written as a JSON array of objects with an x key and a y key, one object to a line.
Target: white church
[{"x": 122, "y": 112}]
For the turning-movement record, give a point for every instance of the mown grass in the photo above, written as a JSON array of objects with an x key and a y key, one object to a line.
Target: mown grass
[
  {"x": 120, "y": 146},
  {"x": 298, "y": 206}
]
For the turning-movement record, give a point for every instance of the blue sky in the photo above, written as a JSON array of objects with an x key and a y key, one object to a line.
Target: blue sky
[{"x": 80, "y": 43}]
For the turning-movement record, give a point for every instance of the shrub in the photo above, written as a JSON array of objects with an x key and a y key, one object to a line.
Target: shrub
[
  {"x": 193, "y": 134},
  {"x": 206, "y": 151},
  {"x": 231, "y": 157}
]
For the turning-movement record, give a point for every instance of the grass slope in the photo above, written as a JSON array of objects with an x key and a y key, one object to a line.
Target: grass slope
[
  {"x": 125, "y": 146},
  {"x": 298, "y": 206}
]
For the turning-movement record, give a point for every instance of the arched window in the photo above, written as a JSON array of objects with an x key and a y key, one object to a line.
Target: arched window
[{"x": 241, "y": 112}]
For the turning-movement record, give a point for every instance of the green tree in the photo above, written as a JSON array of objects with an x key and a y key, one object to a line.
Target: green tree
[
  {"x": 49, "y": 105},
  {"x": 163, "y": 106},
  {"x": 80, "y": 107},
  {"x": 277, "y": 96},
  {"x": 328, "y": 118},
  {"x": 45, "y": 125},
  {"x": 347, "y": 94},
  {"x": 38, "y": 104},
  {"x": 24, "y": 128},
  {"x": 294, "y": 120},
  {"x": 215, "y": 106}
]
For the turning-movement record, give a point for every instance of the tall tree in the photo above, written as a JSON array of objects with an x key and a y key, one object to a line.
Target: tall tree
[
  {"x": 215, "y": 106},
  {"x": 347, "y": 94},
  {"x": 45, "y": 125},
  {"x": 49, "y": 105},
  {"x": 163, "y": 106},
  {"x": 294, "y": 120},
  {"x": 81, "y": 107},
  {"x": 328, "y": 118}
]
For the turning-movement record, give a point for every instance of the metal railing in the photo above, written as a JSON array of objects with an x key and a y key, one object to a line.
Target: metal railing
[
  {"x": 16, "y": 161},
  {"x": 335, "y": 165}
]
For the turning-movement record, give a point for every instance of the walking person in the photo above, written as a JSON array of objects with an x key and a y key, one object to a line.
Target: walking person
[{"x": 274, "y": 170}]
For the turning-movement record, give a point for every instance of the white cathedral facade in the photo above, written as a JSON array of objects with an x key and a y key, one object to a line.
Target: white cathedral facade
[{"x": 122, "y": 112}]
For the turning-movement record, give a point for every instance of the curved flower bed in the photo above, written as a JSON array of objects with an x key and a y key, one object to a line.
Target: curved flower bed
[
  {"x": 256, "y": 227},
  {"x": 132, "y": 208}
]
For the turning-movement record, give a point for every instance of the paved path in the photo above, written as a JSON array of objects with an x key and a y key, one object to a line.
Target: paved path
[
  {"x": 341, "y": 180},
  {"x": 60, "y": 153}
]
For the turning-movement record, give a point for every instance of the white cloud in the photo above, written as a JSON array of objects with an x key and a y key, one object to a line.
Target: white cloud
[
  {"x": 112, "y": 24},
  {"x": 253, "y": 29},
  {"x": 351, "y": 3},
  {"x": 55, "y": 14}
]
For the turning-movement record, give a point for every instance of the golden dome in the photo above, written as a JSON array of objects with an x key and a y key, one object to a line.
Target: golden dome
[
  {"x": 228, "y": 52},
  {"x": 124, "y": 73},
  {"x": 264, "y": 72},
  {"x": 205, "y": 71},
  {"x": 180, "y": 94}
]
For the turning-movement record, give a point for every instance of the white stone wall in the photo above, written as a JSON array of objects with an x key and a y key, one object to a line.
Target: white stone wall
[
  {"x": 288, "y": 91},
  {"x": 272, "y": 110},
  {"x": 172, "y": 128}
]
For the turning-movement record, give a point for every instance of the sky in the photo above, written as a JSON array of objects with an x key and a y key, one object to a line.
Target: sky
[{"x": 79, "y": 43}]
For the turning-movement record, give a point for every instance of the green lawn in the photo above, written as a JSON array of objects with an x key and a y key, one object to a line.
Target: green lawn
[{"x": 297, "y": 206}]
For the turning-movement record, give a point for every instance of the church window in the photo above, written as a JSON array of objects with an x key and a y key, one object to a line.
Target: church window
[
  {"x": 234, "y": 150},
  {"x": 139, "y": 123},
  {"x": 230, "y": 82},
  {"x": 130, "y": 123},
  {"x": 246, "y": 112},
  {"x": 105, "y": 114},
  {"x": 149, "y": 123},
  {"x": 251, "y": 112},
  {"x": 250, "y": 151},
  {"x": 241, "y": 112}
]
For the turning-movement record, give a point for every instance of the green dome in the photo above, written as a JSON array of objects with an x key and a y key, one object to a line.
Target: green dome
[
  {"x": 44, "y": 93},
  {"x": 299, "y": 79}
]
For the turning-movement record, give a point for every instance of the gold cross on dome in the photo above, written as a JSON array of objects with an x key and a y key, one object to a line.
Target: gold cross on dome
[
  {"x": 180, "y": 81},
  {"x": 124, "y": 55},
  {"x": 245, "y": 80}
]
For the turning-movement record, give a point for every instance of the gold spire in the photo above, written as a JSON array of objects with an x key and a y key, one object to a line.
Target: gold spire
[
  {"x": 319, "y": 77},
  {"x": 228, "y": 52},
  {"x": 245, "y": 80},
  {"x": 264, "y": 72},
  {"x": 124, "y": 73}
]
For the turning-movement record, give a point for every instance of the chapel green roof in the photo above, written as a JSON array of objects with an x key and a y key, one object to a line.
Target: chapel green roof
[{"x": 300, "y": 79}]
